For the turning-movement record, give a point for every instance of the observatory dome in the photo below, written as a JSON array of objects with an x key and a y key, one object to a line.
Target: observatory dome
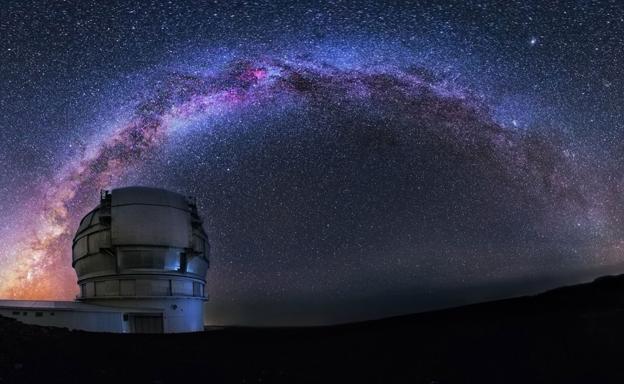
[{"x": 144, "y": 247}]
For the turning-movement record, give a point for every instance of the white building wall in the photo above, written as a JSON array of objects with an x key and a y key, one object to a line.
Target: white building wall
[
  {"x": 179, "y": 314},
  {"x": 83, "y": 320}
]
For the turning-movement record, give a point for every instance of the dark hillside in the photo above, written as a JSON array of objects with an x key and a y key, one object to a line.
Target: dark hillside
[{"x": 568, "y": 335}]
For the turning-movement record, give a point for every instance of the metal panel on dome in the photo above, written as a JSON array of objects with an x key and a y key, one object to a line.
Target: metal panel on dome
[
  {"x": 99, "y": 240},
  {"x": 153, "y": 225},
  {"x": 98, "y": 264},
  {"x": 85, "y": 222},
  {"x": 150, "y": 196},
  {"x": 81, "y": 248}
]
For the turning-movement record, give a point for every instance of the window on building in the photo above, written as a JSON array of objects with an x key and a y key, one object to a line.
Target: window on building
[
  {"x": 16, "y": 313},
  {"x": 51, "y": 313},
  {"x": 38, "y": 314},
  {"x": 24, "y": 313}
]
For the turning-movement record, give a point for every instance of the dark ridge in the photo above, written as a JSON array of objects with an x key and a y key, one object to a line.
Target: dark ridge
[{"x": 567, "y": 335}]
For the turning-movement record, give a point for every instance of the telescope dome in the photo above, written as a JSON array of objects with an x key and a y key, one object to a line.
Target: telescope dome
[{"x": 141, "y": 243}]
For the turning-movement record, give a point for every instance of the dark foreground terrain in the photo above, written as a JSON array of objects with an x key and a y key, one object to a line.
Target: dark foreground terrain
[{"x": 569, "y": 335}]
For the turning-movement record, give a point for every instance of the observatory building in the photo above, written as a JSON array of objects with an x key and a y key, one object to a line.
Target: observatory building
[{"x": 141, "y": 258}]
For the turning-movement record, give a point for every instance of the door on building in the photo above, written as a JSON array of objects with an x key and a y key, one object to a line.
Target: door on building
[{"x": 146, "y": 322}]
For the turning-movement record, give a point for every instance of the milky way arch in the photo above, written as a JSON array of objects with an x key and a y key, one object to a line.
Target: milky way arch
[{"x": 38, "y": 266}]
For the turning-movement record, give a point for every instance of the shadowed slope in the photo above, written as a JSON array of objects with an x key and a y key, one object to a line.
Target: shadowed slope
[{"x": 571, "y": 334}]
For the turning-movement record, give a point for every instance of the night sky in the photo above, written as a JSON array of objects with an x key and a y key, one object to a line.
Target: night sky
[{"x": 351, "y": 160}]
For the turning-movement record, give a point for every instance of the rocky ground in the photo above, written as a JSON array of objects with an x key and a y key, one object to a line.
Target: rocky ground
[{"x": 570, "y": 335}]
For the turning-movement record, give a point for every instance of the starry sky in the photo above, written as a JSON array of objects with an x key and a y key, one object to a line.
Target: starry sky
[{"x": 352, "y": 160}]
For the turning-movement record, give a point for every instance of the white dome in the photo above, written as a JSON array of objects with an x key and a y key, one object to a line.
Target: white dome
[{"x": 142, "y": 247}]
